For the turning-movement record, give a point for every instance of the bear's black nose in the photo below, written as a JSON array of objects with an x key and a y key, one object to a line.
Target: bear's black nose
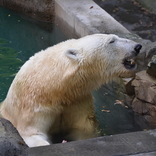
[{"x": 137, "y": 48}]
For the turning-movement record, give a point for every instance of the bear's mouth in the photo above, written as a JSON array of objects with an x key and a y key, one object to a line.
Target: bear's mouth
[{"x": 130, "y": 63}]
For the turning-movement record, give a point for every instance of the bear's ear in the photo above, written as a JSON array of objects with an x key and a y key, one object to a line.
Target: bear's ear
[{"x": 72, "y": 54}]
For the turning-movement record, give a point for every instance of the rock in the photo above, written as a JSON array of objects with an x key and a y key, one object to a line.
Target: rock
[
  {"x": 144, "y": 102},
  {"x": 145, "y": 87},
  {"x": 148, "y": 50},
  {"x": 137, "y": 106},
  {"x": 129, "y": 88},
  {"x": 11, "y": 144},
  {"x": 151, "y": 70},
  {"x": 150, "y": 116},
  {"x": 147, "y": 110},
  {"x": 140, "y": 107}
]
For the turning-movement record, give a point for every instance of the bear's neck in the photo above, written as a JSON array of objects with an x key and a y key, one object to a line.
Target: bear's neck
[{"x": 83, "y": 82}]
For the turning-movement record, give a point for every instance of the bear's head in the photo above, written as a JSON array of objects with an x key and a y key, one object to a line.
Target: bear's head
[{"x": 107, "y": 55}]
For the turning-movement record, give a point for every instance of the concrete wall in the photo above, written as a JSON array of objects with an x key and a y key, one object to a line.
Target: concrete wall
[{"x": 78, "y": 21}]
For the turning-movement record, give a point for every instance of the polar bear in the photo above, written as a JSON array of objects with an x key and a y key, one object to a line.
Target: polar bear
[{"x": 52, "y": 92}]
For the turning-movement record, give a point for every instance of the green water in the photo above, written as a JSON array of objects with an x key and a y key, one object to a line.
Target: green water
[
  {"x": 9, "y": 65},
  {"x": 20, "y": 38},
  {"x": 114, "y": 115}
]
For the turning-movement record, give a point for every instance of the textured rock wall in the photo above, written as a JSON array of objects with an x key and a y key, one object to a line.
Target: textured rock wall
[{"x": 144, "y": 102}]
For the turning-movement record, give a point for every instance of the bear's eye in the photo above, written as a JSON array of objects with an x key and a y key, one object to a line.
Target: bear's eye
[{"x": 112, "y": 41}]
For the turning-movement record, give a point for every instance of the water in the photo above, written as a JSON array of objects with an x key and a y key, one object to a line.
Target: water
[
  {"x": 114, "y": 115},
  {"x": 21, "y": 37}
]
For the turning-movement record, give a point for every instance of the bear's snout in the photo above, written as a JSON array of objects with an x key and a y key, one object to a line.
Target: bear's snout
[{"x": 137, "y": 48}]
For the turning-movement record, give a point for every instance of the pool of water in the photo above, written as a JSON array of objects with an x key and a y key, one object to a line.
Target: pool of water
[
  {"x": 114, "y": 115},
  {"x": 21, "y": 37}
]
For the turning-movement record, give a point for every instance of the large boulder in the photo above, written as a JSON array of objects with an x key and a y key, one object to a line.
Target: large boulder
[
  {"x": 148, "y": 50},
  {"x": 151, "y": 70},
  {"x": 10, "y": 141},
  {"x": 144, "y": 102}
]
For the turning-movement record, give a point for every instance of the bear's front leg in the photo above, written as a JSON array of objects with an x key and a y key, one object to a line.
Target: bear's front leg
[
  {"x": 36, "y": 140},
  {"x": 79, "y": 121}
]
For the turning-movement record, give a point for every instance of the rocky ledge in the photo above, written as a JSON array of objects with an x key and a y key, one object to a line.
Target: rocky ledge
[
  {"x": 11, "y": 144},
  {"x": 143, "y": 91},
  {"x": 151, "y": 70}
]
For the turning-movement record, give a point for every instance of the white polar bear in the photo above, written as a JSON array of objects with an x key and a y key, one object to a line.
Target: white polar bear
[{"x": 52, "y": 92}]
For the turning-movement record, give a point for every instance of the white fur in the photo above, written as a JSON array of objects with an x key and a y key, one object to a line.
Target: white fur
[{"x": 52, "y": 92}]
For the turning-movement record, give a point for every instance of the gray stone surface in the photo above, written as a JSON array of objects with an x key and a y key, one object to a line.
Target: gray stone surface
[
  {"x": 149, "y": 49},
  {"x": 151, "y": 70},
  {"x": 123, "y": 144},
  {"x": 142, "y": 83},
  {"x": 10, "y": 142},
  {"x": 84, "y": 17},
  {"x": 144, "y": 102},
  {"x": 145, "y": 154}
]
